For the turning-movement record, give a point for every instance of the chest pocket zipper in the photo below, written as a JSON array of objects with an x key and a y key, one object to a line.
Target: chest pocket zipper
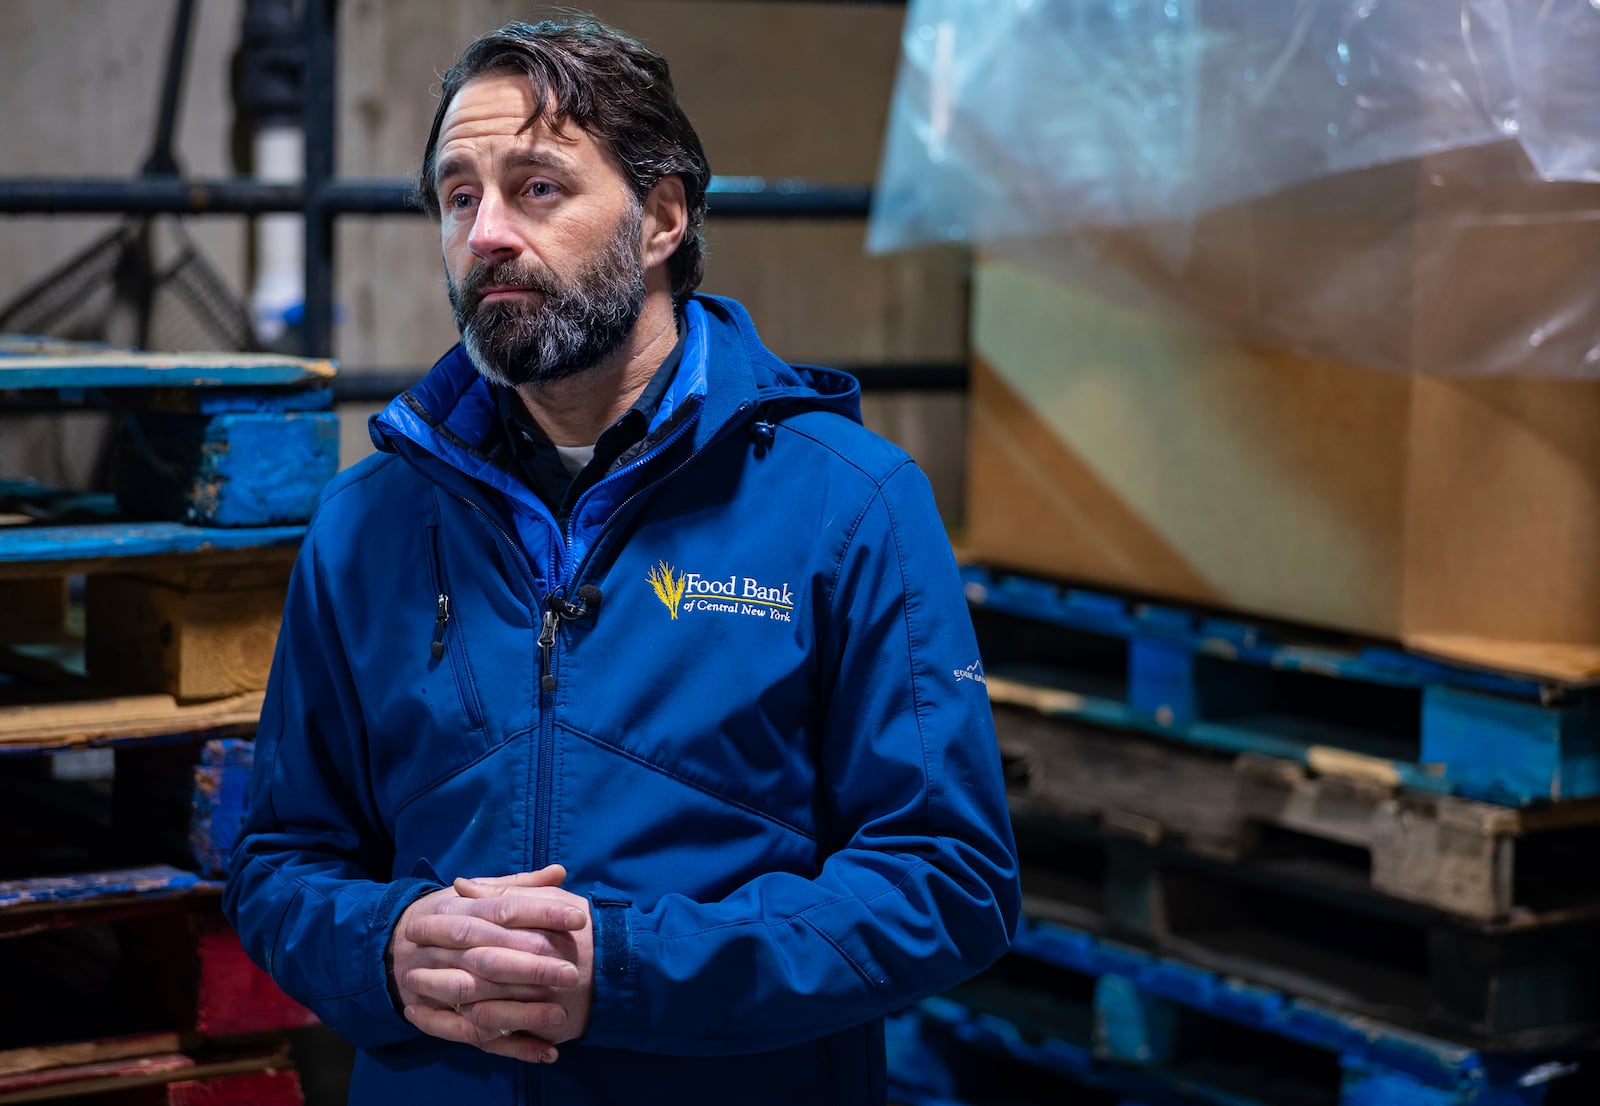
[{"x": 447, "y": 626}]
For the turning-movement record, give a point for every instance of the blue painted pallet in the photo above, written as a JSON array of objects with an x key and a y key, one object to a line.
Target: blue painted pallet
[
  {"x": 1134, "y": 1038},
  {"x": 91, "y": 367},
  {"x": 78, "y": 889},
  {"x": 99, "y": 541},
  {"x": 1244, "y": 687},
  {"x": 211, "y": 439}
]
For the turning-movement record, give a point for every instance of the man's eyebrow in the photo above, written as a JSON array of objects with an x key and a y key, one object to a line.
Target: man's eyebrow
[{"x": 460, "y": 165}]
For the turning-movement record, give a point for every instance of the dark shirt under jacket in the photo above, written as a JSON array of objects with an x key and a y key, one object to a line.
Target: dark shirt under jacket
[{"x": 527, "y": 453}]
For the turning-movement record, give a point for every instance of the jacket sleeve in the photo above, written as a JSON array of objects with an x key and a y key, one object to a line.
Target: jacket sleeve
[
  {"x": 308, "y": 887},
  {"x": 921, "y": 891}
]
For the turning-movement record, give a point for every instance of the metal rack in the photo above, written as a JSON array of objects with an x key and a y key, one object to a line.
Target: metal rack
[{"x": 322, "y": 197}]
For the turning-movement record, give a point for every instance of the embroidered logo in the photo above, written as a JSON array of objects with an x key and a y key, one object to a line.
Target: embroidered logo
[
  {"x": 685, "y": 592},
  {"x": 973, "y": 672},
  {"x": 668, "y": 585}
]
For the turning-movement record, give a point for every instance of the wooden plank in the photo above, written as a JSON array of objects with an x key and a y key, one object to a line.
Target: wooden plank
[
  {"x": 43, "y": 551},
  {"x": 190, "y": 642},
  {"x": 1083, "y": 771},
  {"x": 150, "y": 880},
  {"x": 16, "y": 1061},
  {"x": 121, "y": 718},
  {"x": 125, "y": 369},
  {"x": 275, "y": 1088},
  {"x": 91, "y": 1079},
  {"x": 35, "y": 1086}
]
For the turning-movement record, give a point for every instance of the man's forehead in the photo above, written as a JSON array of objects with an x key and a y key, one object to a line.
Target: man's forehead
[{"x": 498, "y": 106}]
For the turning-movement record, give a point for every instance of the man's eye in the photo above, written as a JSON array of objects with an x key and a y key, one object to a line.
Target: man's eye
[
  {"x": 460, "y": 201},
  {"x": 541, "y": 188}
]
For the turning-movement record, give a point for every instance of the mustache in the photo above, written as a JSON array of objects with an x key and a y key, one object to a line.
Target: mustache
[{"x": 527, "y": 276}]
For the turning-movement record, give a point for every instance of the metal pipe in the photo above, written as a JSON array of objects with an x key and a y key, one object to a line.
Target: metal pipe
[
  {"x": 785, "y": 199},
  {"x": 321, "y": 106},
  {"x": 369, "y": 385}
]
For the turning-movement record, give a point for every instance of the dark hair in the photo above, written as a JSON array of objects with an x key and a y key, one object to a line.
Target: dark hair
[{"x": 614, "y": 87}]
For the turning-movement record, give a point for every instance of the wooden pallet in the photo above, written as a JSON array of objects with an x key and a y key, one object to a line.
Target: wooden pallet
[
  {"x": 217, "y": 440},
  {"x": 171, "y": 1077},
  {"x": 1389, "y": 715},
  {"x": 1481, "y": 861},
  {"x": 1309, "y": 928},
  {"x": 1463, "y": 857},
  {"x": 1121, "y": 1020},
  {"x": 138, "y": 985}
]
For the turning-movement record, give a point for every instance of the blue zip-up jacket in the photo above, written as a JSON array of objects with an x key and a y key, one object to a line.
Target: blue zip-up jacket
[{"x": 764, "y": 752}]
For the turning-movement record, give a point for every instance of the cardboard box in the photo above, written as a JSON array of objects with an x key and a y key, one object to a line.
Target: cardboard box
[{"x": 1123, "y": 448}]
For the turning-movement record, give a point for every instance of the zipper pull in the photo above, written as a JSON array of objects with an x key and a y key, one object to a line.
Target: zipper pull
[
  {"x": 547, "y": 641},
  {"x": 438, "y": 625}
]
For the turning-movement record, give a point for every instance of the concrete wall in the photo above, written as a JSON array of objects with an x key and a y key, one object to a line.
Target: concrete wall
[{"x": 775, "y": 88}]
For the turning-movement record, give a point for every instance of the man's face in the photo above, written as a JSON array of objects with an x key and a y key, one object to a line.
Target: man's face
[{"x": 541, "y": 237}]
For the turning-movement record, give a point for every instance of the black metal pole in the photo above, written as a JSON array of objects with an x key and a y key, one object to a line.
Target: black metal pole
[
  {"x": 727, "y": 198},
  {"x": 321, "y": 106}
]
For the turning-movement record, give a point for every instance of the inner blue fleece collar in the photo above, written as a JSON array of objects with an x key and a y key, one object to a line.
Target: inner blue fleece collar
[{"x": 451, "y": 411}]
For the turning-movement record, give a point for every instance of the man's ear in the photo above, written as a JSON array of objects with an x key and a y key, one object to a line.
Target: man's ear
[{"x": 666, "y": 219}]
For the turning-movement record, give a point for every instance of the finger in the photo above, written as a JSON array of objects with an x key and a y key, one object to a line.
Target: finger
[
  {"x": 522, "y": 969},
  {"x": 542, "y": 1019},
  {"x": 523, "y": 908},
  {"x": 447, "y": 1025},
  {"x": 512, "y": 922},
  {"x": 522, "y": 1046},
  {"x": 551, "y": 875},
  {"x": 449, "y": 986}
]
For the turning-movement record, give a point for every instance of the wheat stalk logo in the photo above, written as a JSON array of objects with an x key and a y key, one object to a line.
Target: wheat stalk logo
[{"x": 667, "y": 586}]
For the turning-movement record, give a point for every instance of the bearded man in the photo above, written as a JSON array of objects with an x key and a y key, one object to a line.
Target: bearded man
[{"x": 617, "y": 747}]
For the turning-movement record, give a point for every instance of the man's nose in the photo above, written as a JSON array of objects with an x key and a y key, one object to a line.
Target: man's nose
[{"x": 491, "y": 237}]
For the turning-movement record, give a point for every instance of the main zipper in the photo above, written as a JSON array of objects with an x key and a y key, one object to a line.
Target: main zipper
[{"x": 600, "y": 535}]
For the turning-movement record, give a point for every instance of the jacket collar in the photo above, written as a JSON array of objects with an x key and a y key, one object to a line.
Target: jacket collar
[{"x": 725, "y": 374}]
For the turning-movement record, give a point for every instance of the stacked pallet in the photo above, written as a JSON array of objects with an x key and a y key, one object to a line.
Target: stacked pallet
[
  {"x": 135, "y": 639},
  {"x": 1296, "y": 676},
  {"x": 1267, "y": 865}
]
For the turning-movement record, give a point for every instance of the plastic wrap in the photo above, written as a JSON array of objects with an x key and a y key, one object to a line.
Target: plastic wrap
[{"x": 1412, "y": 184}]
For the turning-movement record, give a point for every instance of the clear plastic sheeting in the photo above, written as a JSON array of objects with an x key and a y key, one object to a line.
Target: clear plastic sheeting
[{"x": 1413, "y": 184}]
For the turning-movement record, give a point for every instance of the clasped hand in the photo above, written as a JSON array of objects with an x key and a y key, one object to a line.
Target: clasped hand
[{"x": 503, "y": 963}]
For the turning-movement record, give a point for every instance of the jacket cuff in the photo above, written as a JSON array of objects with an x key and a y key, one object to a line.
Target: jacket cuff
[
  {"x": 373, "y": 1017},
  {"x": 614, "y": 1016}
]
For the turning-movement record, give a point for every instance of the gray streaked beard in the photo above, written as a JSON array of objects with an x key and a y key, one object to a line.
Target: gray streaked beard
[{"x": 571, "y": 327}]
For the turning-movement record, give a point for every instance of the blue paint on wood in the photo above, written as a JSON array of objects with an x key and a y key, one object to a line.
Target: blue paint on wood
[
  {"x": 221, "y": 785},
  {"x": 1378, "y": 1065},
  {"x": 121, "y": 369},
  {"x": 97, "y": 540},
  {"x": 1439, "y": 1062},
  {"x": 1132, "y": 1026},
  {"x": 263, "y": 469},
  {"x": 219, "y": 401},
  {"x": 1500, "y": 749},
  {"x": 1161, "y": 681},
  {"x": 150, "y": 880},
  {"x": 241, "y": 468}
]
